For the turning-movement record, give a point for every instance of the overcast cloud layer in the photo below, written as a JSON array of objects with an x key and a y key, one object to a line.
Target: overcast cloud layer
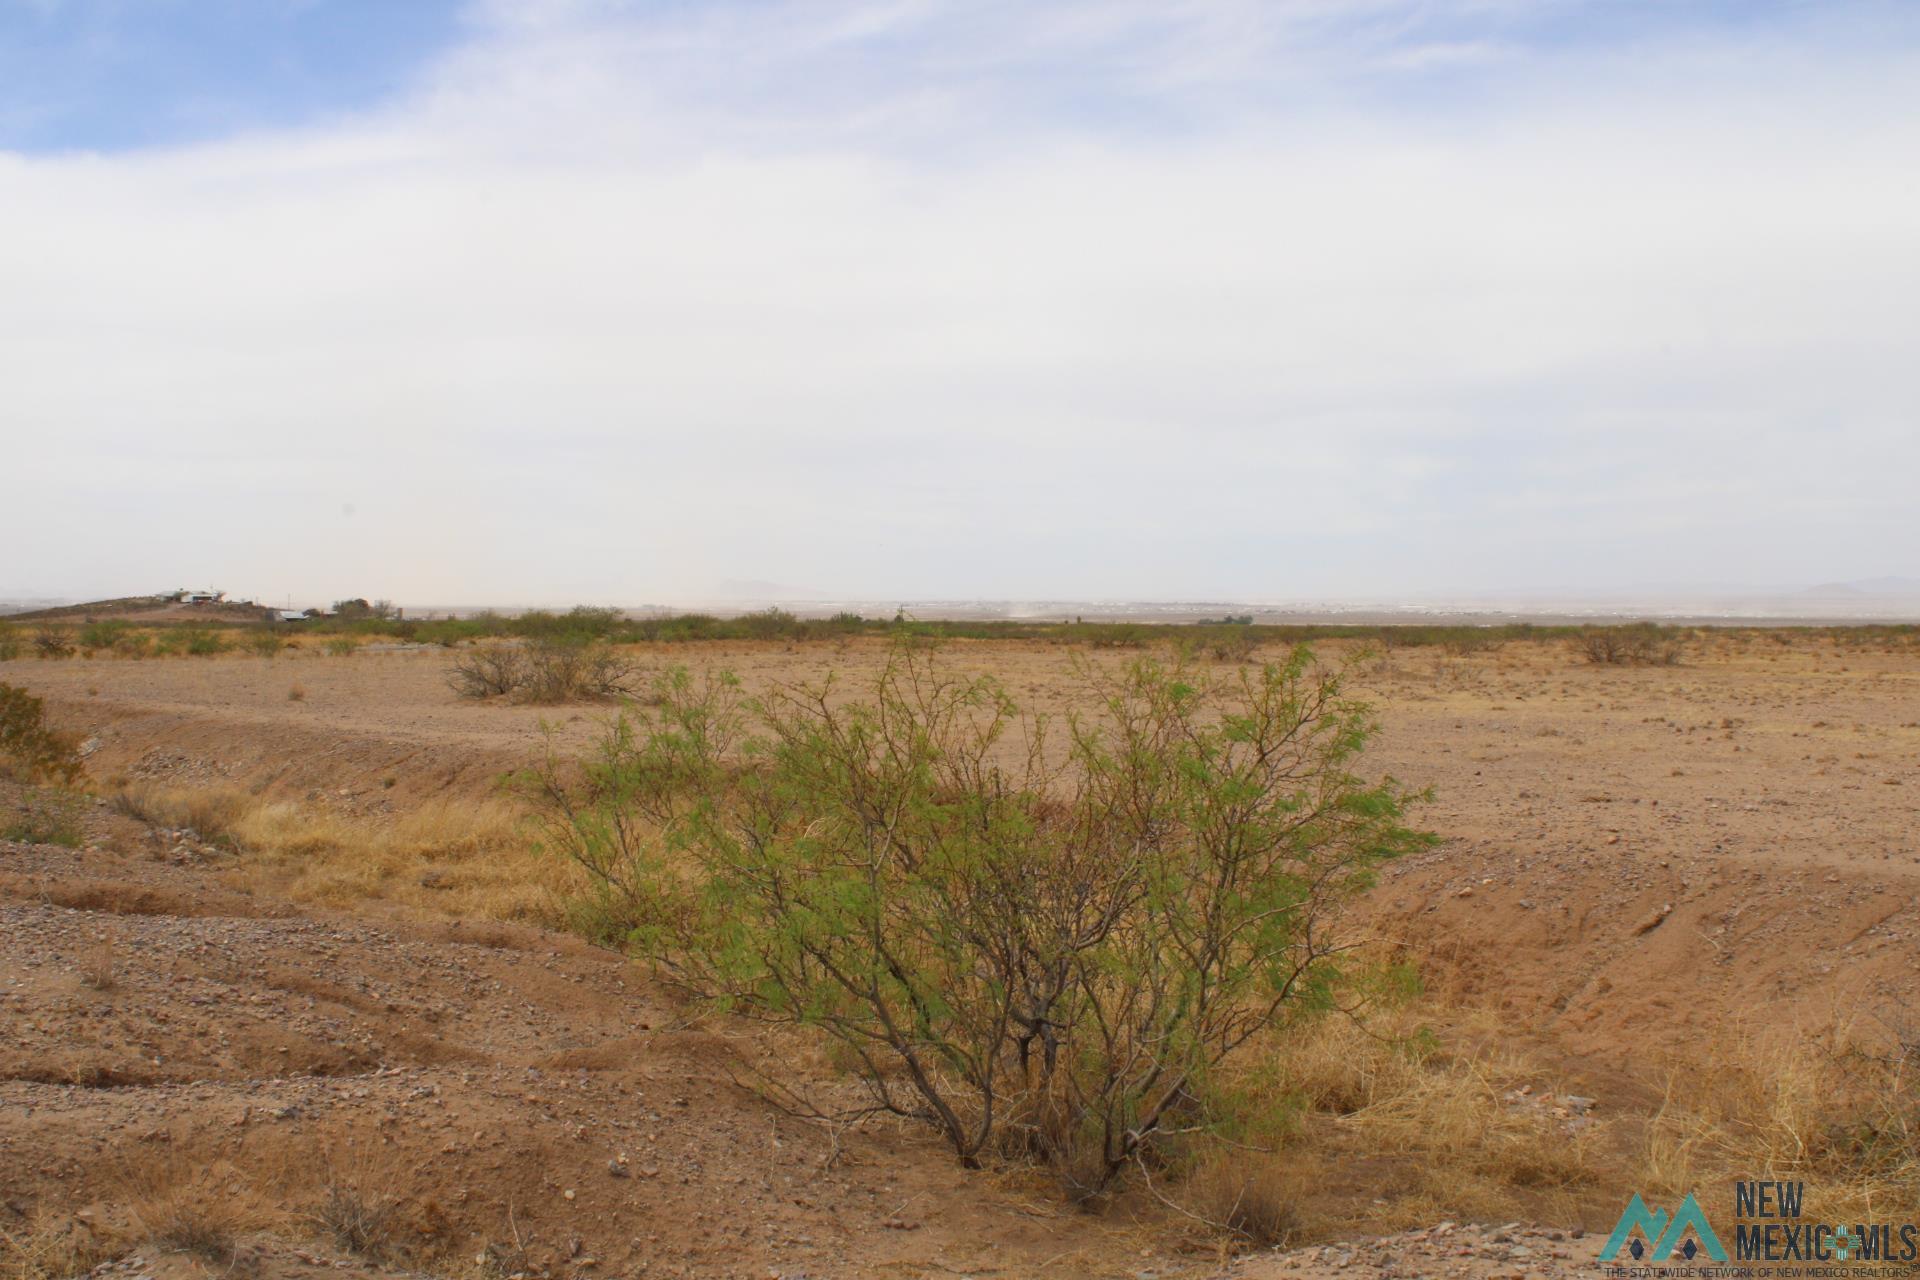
[{"x": 1210, "y": 300}]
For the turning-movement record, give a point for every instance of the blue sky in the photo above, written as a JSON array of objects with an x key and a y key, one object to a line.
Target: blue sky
[
  {"x": 118, "y": 74},
  {"x": 601, "y": 299},
  {"x": 113, "y": 75}
]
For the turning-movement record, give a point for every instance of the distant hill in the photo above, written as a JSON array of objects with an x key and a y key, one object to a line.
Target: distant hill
[{"x": 148, "y": 610}]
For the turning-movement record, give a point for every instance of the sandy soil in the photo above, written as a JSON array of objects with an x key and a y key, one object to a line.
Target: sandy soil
[{"x": 1636, "y": 863}]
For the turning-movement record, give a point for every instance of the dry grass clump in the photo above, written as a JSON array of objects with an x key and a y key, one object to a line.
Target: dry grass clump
[
  {"x": 51, "y": 1247},
  {"x": 1357, "y": 1126},
  {"x": 215, "y": 1212},
  {"x": 206, "y": 1210},
  {"x": 1839, "y": 1110},
  {"x": 450, "y": 857},
  {"x": 360, "y": 1203},
  {"x": 209, "y": 812},
  {"x": 1256, "y": 1197},
  {"x": 362, "y": 1224},
  {"x": 1461, "y": 1116},
  {"x": 99, "y": 968},
  {"x": 188, "y": 1224},
  {"x": 221, "y": 1212}
]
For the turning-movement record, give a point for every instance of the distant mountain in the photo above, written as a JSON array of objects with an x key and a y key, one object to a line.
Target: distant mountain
[
  {"x": 1889, "y": 586},
  {"x": 1908, "y": 587}
]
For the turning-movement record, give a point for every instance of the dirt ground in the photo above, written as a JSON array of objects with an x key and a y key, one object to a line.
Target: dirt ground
[
  {"x": 519, "y": 1092},
  {"x": 1637, "y": 866}
]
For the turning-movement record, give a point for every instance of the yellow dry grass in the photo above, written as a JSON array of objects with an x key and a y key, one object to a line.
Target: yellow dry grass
[
  {"x": 471, "y": 859},
  {"x": 1368, "y": 1125},
  {"x": 220, "y": 1212},
  {"x": 51, "y": 1246},
  {"x": 1837, "y": 1108},
  {"x": 207, "y": 1211},
  {"x": 158, "y": 1202}
]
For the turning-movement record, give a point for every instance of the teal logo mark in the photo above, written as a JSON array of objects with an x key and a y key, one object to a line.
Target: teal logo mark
[{"x": 1687, "y": 1233}]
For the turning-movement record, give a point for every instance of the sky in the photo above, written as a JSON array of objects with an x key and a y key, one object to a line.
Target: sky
[{"x": 545, "y": 301}]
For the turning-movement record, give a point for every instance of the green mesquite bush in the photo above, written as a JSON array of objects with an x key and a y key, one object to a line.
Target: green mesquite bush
[{"x": 1039, "y": 938}]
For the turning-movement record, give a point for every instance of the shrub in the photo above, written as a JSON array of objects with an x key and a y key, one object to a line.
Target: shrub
[
  {"x": 1230, "y": 643},
  {"x": 266, "y": 644},
  {"x": 104, "y": 635},
  {"x": 342, "y": 646},
  {"x": 51, "y": 642},
  {"x": 567, "y": 671},
  {"x": 579, "y": 624},
  {"x": 9, "y": 644},
  {"x": 490, "y": 671},
  {"x": 1637, "y": 644},
  {"x": 684, "y": 627},
  {"x": 770, "y": 624},
  {"x": 1472, "y": 640},
  {"x": 451, "y": 631},
  {"x": 133, "y": 644},
  {"x": 1121, "y": 637},
  {"x": 33, "y": 749},
  {"x": 1027, "y": 960},
  {"x": 554, "y": 670},
  {"x": 1109, "y": 635},
  {"x": 198, "y": 642},
  {"x": 47, "y": 817}
]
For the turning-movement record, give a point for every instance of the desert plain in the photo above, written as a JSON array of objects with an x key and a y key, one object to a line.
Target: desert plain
[{"x": 298, "y": 998}]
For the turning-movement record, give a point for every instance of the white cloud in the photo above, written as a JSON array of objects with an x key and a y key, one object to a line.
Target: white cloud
[{"x": 617, "y": 310}]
